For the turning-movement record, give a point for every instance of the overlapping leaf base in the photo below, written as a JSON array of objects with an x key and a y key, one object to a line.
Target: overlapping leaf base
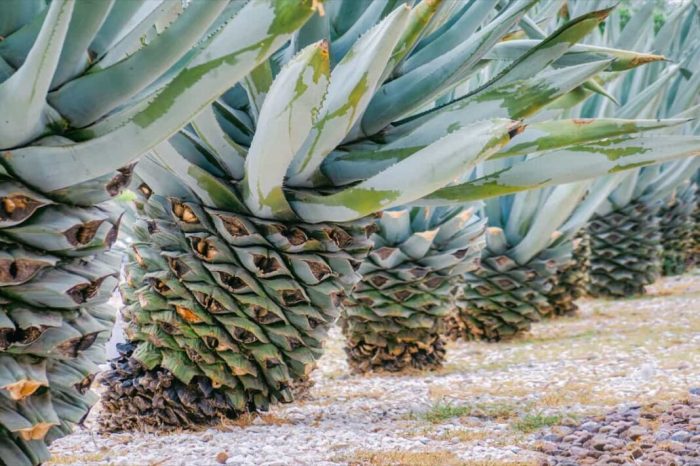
[
  {"x": 573, "y": 279},
  {"x": 625, "y": 251},
  {"x": 56, "y": 276},
  {"x": 393, "y": 320},
  {"x": 503, "y": 298},
  {"x": 241, "y": 303},
  {"x": 677, "y": 224}
]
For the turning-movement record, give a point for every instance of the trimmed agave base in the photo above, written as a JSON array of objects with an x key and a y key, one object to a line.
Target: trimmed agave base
[
  {"x": 376, "y": 343},
  {"x": 676, "y": 223},
  {"x": 56, "y": 276},
  {"x": 393, "y": 319},
  {"x": 503, "y": 298},
  {"x": 229, "y": 309},
  {"x": 155, "y": 400},
  {"x": 573, "y": 279},
  {"x": 625, "y": 251}
]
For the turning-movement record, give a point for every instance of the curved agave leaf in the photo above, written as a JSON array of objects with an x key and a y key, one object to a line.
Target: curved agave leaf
[
  {"x": 575, "y": 163},
  {"x": 371, "y": 15},
  {"x": 228, "y": 154},
  {"x": 119, "y": 16},
  {"x": 554, "y": 134},
  {"x": 407, "y": 180},
  {"x": 418, "y": 20},
  {"x": 558, "y": 206},
  {"x": 86, "y": 20},
  {"x": 579, "y": 53},
  {"x": 457, "y": 31},
  {"x": 285, "y": 121},
  {"x": 23, "y": 94},
  {"x": 148, "y": 24},
  {"x": 93, "y": 95},
  {"x": 16, "y": 13},
  {"x": 352, "y": 85},
  {"x": 256, "y": 85},
  {"x": 515, "y": 100}
]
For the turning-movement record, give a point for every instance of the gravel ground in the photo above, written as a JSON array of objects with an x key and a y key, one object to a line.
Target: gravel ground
[
  {"x": 651, "y": 434},
  {"x": 491, "y": 404}
]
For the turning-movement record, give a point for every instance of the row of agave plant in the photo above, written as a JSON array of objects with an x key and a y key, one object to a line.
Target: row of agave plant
[{"x": 264, "y": 140}]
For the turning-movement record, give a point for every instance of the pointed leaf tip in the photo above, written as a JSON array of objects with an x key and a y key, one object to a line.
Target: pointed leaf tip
[
  {"x": 317, "y": 6},
  {"x": 516, "y": 128},
  {"x": 604, "y": 13}
]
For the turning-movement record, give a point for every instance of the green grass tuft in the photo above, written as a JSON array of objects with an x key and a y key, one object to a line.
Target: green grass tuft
[
  {"x": 533, "y": 422},
  {"x": 442, "y": 411}
]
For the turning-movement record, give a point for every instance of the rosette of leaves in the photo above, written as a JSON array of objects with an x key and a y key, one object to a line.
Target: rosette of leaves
[
  {"x": 675, "y": 90},
  {"x": 625, "y": 234}
]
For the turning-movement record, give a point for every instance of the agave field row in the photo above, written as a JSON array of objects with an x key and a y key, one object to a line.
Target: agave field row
[{"x": 249, "y": 173}]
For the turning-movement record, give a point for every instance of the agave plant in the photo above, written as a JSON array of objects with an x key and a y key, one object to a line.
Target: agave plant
[
  {"x": 245, "y": 253},
  {"x": 627, "y": 249},
  {"x": 695, "y": 241},
  {"x": 676, "y": 223},
  {"x": 626, "y": 240},
  {"x": 393, "y": 318},
  {"x": 531, "y": 241},
  {"x": 571, "y": 280},
  {"x": 85, "y": 89}
]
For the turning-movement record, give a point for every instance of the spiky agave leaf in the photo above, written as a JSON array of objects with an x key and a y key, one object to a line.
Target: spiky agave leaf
[
  {"x": 65, "y": 65},
  {"x": 393, "y": 317}
]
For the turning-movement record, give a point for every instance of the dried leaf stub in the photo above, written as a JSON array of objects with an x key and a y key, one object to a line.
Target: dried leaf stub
[
  {"x": 18, "y": 207},
  {"x": 184, "y": 212},
  {"x": 20, "y": 270},
  {"x": 22, "y": 389},
  {"x": 36, "y": 432},
  {"x": 188, "y": 314}
]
